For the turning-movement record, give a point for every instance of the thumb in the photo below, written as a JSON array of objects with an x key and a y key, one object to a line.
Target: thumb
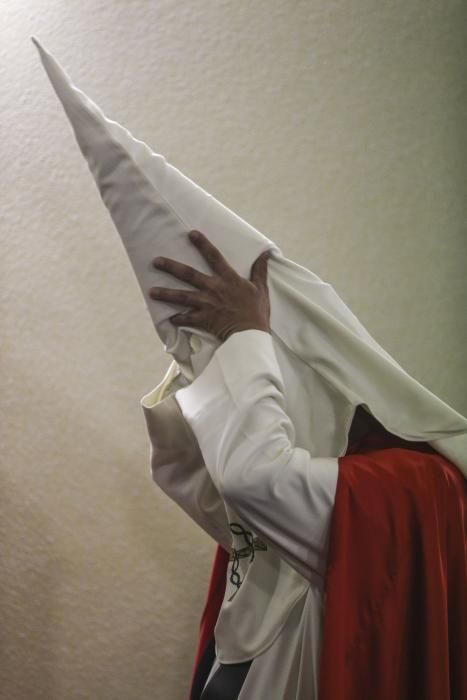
[{"x": 259, "y": 270}]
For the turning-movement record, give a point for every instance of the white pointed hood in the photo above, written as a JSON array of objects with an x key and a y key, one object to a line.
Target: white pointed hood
[{"x": 316, "y": 336}]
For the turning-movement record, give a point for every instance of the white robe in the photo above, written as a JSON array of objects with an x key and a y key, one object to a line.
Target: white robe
[{"x": 223, "y": 448}]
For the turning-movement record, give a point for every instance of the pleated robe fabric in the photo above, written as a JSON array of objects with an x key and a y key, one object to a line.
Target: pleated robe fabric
[{"x": 395, "y": 622}]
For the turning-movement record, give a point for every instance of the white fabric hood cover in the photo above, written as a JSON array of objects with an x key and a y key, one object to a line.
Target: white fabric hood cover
[{"x": 153, "y": 206}]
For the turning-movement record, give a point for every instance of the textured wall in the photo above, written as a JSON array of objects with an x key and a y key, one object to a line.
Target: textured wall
[{"x": 337, "y": 129}]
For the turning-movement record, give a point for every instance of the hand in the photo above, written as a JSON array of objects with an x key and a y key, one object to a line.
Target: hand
[{"x": 226, "y": 302}]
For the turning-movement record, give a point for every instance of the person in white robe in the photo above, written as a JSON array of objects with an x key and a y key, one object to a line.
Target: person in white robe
[{"x": 246, "y": 429}]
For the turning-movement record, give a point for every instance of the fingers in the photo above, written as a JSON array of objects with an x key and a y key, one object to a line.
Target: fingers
[
  {"x": 198, "y": 279},
  {"x": 177, "y": 296},
  {"x": 184, "y": 272},
  {"x": 212, "y": 254},
  {"x": 185, "y": 320}
]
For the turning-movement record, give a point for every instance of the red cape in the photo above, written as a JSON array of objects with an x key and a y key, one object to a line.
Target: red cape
[{"x": 395, "y": 622}]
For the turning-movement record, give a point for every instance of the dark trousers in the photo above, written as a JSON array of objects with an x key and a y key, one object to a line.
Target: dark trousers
[{"x": 226, "y": 682}]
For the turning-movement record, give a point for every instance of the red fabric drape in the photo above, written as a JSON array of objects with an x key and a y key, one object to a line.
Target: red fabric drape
[
  {"x": 212, "y": 605},
  {"x": 395, "y": 622}
]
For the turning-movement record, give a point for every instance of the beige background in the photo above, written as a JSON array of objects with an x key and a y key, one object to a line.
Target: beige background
[{"x": 335, "y": 128}]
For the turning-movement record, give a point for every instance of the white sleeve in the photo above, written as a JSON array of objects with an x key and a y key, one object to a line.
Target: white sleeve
[
  {"x": 177, "y": 464},
  {"x": 236, "y": 409}
]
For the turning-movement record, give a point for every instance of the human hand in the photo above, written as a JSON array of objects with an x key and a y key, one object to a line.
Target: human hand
[{"x": 226, "y": 302}]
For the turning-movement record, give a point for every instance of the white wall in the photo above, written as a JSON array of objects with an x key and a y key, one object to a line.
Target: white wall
[{"x": 335, "y": 128}]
